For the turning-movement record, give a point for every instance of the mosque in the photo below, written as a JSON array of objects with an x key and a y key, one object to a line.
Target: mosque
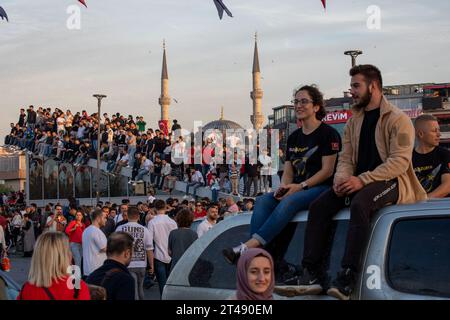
[{"x": 257, "y": 118}]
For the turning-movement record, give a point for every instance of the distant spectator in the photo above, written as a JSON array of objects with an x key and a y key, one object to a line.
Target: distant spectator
[
  {"x": 181, "y": 239},
  {"x": 75, "y": 231},
  {"x": 94, "y": 243},
  {"x": 160, "y": 227},
  {"x": 210, "y": 221}
]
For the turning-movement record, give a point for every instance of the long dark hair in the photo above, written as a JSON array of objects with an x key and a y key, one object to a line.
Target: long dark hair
[{"x": 317, "y": 98}]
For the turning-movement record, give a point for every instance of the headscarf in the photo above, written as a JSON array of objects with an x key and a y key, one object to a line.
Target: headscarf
[{"x": 243, "y": 289}]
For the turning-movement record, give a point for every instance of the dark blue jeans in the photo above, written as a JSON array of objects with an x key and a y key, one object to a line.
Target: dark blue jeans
[
  {"x": 162, "y": 273},
  {"x": 271, "y": 216}
]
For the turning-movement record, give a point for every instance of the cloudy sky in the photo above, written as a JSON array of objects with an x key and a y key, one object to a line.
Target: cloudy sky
[{"x": 118, "y": 52}]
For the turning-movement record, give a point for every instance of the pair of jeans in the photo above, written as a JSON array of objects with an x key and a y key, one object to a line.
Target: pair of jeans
[
  {"x": 131, "y": 152},
  {"x": 162, "y": 271},
  {"x": 214, "y": 195},
  {"x": 139, "y": 275},
  {"x": 248, "y": 186},
  {"x": 77, "y": 252},
  {"x": 271, "y": 216},
  {"x": 141, "y": 174},
  {"x": 363, "y": 205},
  {"x": 195, "y": 185}
]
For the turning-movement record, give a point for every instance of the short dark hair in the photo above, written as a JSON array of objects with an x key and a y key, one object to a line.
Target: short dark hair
[
  {"x": 160, "y": 204},
  {"x": 119, "y": 242},
  {"x": 424, "y": 118},
  {"x": 370, "y": 72},
  {"x": 97, "y": 213},
  {"x": 133, "y": 212},
  {"x": 317, "y": 98},
  {"x": 184, "y": 218},
  {"x": 213, "y": 205}
]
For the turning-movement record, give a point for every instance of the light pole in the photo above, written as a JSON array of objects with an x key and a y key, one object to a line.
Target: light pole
[
  {"x": 99, "y": 99},
  {"x": 353, "y": 54}
]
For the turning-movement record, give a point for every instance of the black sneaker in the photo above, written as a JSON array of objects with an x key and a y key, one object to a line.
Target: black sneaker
[
  {"x": 307, "y": 284},
  {"x": 342, "y": 287},
  {"x": 230, "y": 256}
]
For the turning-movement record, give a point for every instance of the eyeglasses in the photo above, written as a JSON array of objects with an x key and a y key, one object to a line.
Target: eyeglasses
[{"x": 303, "y": 102}]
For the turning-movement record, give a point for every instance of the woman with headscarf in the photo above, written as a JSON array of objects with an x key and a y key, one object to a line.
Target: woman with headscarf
[{"x": 255, "y": 276}]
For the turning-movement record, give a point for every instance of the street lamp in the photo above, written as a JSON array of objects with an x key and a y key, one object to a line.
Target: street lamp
[
  {"x": 99, "y": 98},
  {"x": 353, "y": 54}
]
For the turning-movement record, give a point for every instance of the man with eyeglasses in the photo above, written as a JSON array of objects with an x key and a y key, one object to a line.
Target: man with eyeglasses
[{"x": 199, "y": 211}]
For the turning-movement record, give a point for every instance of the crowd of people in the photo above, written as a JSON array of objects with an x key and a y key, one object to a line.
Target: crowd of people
[
  {"x": 382, "y": 159},
  {"x": 127, "y": 142},
  {"x": 161, "y": 233}
]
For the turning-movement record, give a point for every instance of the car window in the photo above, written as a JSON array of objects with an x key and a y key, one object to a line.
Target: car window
[
  {"x": 287, "y": 249},
  {"x": 419, "y": 256},
  {"x": 212, "y": 271}
]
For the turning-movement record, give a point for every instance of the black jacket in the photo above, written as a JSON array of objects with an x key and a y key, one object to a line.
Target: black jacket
[{"x": 116, "y": 279}]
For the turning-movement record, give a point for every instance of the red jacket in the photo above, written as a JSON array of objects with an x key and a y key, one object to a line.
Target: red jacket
[
  {"x": 199, "y": 214},
  {"x": 58, "y": 290},
  {"x": 75, "y": 236}
]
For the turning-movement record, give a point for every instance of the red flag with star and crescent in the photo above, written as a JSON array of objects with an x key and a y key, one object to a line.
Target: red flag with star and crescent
[{"x": 324, "y": 2}]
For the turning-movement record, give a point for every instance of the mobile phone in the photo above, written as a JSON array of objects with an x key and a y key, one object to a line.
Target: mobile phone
[{"x": 281, "y": 192}]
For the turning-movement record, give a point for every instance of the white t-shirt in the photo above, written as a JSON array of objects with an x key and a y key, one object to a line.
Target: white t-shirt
[
  {"x": 204, "y": 227},
  {"x": 94, "y": 240},
  {"x": 197, "y": 177},
  {"x": 61, "y": 121},
  {"x": 125, "y": 157},
  {"x": 265, "y": 161},
  {"x": 141, "y": 243},
  {"x": 54, "y": 224},
  {"x": 159, "y": 228},
  {"x": 148, "y": 164}
]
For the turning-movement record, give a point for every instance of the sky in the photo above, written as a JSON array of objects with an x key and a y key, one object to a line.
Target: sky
[{"x": 118, "y": 52}]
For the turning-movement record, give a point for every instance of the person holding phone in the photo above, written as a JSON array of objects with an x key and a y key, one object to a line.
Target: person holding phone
[{"x": 311, "y": 155}]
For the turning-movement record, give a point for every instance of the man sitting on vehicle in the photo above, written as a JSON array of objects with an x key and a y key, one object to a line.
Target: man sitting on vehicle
[
  {"x": 374, "y": 170},
  {"x": 431, "y": 162}
]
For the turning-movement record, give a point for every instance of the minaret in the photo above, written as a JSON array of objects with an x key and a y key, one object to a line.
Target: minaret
[
  {"x": 164, "y": 99},
  {"x": 256, "y": 95}
]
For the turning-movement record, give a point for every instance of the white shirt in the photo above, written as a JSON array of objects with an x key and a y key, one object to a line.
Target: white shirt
[
  {"x": 204, "y": 227},
  {"x": 197, "y": 177},
  {"x": 166, "y": 169},
  {"x": 125, "y": 157},
  {"x": 93, "y": 240},
  {"x": 147, "y": 164},
  {"x": 266, "y": 162},
  {"x": 141, "y": 243},
  {"x": 54, "y": 224},
  {"x": 179, "y": 149},
  {"x": 61, "y": 121},
  {"x": 159, "y": 228},
  {"x": 118, "y": 218}
]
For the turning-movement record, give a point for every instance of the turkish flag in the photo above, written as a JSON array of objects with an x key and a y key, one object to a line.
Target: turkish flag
[
  {"x": 324, "y": 2},
  {"x": 84, "y": 3}
]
